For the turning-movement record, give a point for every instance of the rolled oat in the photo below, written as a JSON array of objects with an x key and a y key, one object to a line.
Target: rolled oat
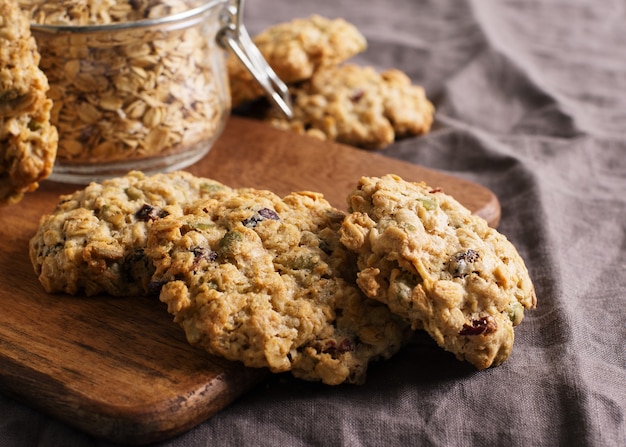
[{"x": 131, "y": 92}]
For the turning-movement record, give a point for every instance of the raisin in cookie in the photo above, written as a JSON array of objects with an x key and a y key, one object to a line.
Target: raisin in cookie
[
  {"x": 257, "y": 279},
  {"x": 28, "y": 142},
  {"x": 358, "y": 106},
  {"x": 438, "y": 266},
  {"x": 295, "y": 50},
  {"x": 94, "y": 240}
]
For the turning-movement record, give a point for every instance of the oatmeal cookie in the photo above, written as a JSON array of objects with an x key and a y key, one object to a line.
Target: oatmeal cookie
[
  {"x": 28, "y": 142},
  {"x": 438, "y": 266},
  {"x": 257, "y": 279},
  {"x": 358, "y": 106},
  {"x": 295, "y": 50},
  {"x": 93, "y": 242}
]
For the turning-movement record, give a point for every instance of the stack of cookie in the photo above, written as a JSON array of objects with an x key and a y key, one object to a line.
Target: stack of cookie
[
  {"x": 293, "y": 284},
  {"x": 332, "y": 99},
  {"x": 28, "y": 142}
]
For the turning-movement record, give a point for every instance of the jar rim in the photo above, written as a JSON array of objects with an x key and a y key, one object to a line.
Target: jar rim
[{"x": 144, "y": 23}]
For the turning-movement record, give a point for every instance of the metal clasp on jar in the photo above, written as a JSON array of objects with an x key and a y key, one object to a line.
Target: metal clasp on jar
[{"x": 235, "y": 37}]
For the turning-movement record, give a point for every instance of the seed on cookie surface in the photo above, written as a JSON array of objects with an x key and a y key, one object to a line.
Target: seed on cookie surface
[{"x": 460, "y": 264}]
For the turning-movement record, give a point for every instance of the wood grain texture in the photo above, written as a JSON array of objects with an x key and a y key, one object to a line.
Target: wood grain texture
[
  {"x": 262, "y": 157},
  {"x": 120, "y": 368}
]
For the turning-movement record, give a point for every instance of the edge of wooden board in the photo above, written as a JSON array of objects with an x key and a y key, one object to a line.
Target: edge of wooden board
[{"x": 243, "y": 135}]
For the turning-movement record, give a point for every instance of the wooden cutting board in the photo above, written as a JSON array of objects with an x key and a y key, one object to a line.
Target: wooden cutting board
[{"x": 120, "y": 369}]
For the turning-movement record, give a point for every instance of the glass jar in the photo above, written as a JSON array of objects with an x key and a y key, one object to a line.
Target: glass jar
[{"x": 138, "y": 89}]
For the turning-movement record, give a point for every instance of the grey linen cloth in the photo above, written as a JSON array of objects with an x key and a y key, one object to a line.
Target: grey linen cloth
[{"x": 531, "y": 103}]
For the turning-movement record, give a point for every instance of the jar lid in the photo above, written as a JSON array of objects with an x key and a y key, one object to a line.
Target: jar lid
[{"x": 235, "y": 37}]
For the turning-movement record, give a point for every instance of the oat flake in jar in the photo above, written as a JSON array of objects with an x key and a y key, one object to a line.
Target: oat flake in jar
[{"x": 140, "y": 84}]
